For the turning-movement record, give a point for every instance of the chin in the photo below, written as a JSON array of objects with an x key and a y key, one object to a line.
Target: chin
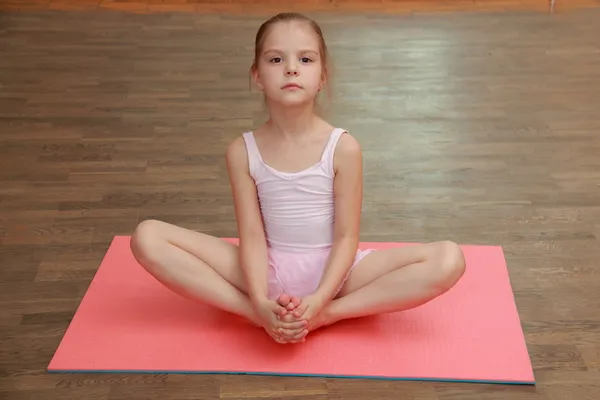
[{"x": 305, "y": 99}]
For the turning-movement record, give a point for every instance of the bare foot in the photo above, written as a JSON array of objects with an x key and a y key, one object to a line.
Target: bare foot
[
  {"x": 320, "y": 320},
  {"x": 288, "y": 302},
  {"x": 296, "y": 337}
]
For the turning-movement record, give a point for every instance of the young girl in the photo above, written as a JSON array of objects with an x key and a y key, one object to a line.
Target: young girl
[{"x": 297, "y": 189}]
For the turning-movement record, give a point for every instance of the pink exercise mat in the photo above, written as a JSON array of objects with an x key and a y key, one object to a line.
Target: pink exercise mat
[{"x": 128, "y": 322}]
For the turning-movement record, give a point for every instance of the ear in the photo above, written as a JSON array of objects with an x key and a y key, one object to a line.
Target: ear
[
  {"x": 322, "y": 83},
  {"x": 323, "y": 79},
  {"x": 256, "y": 77}
]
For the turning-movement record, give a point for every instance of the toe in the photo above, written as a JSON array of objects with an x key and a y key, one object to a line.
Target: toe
[
  {"x": 295, "y": 301},
  {"x": 284, "y": 300}
]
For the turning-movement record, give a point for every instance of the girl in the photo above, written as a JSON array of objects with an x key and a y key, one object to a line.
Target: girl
[{"x": 297, "y": 188}]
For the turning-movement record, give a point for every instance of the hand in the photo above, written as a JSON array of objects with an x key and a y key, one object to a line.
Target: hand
[
  {"x": 272, "y": 316},
  {"x": 309, "y": 309}
]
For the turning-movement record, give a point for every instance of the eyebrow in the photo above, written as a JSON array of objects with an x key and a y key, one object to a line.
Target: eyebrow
[{"x": 281, "y": 51}]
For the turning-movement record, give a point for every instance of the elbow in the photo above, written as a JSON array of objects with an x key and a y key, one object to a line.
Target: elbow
[
  {"x": 348, "y": 237},
  {"x": 252, "y": 237}
]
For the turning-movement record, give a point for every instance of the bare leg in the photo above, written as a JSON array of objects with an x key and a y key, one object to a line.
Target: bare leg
[
  {"x": 395, "y": 280},
  {"x": 199, "y": 267},
  {"x": 194, "y": 265}
]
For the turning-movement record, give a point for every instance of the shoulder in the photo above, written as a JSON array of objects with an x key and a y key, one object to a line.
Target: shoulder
[
  {"x": 236, "y": 147},
  {"x": 348, "y": 151},
  {"x": 236, "y": 154},
  {"x": 348, "y": 145}
]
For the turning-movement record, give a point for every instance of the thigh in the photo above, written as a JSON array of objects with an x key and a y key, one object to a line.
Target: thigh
[
  {"x": 220, "y": 255},
  {"x": 381, "y": 262}
]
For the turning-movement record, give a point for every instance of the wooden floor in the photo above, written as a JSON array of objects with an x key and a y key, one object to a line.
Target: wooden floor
[
  {"x": 479, "y": 128},
  {"x": 253, "y": 7}
]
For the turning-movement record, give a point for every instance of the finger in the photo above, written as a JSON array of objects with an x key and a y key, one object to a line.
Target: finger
[
  {"x": 289, "y": 318},
  {"x": 292, "y": 324},
  {"x": 280, "y": 340},
  {"x": 289, "y": 321},
  {"x": 301, "y": 312},
  {"x": 307, "y": 317},
  {"x": 288, "y": 333},
  {"x": 295, "y": 334},
  {"x": 291, "y": 333},
  {"x": 300, "y": 335},
  {"x": 290, "y": 329},
  {"x": 299, "y": 338},
  {"x": 276, "y": 337},
  {"x": 278, "y": 310}
]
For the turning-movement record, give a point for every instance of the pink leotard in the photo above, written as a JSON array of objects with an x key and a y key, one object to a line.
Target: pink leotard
[{"x": 298, "y": 215}]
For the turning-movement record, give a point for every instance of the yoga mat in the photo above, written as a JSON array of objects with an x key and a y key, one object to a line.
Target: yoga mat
[{"x": 128, "y": 322}]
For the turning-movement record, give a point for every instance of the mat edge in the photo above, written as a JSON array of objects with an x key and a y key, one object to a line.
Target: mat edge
[
  {"x": 385, "y": 378},
  {"x": 118, "y": 238}
]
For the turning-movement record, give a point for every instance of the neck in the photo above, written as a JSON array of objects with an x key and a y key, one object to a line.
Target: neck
[{"x": 292, "y": 121}]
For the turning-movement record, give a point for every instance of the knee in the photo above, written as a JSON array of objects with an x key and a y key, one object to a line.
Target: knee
[
  {"x": 144, "y": 240},
  {"x": 451, "y": 264}
]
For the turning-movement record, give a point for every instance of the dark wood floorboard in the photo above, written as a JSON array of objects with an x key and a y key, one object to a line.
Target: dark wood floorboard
[{"x": 479, "y": 128}]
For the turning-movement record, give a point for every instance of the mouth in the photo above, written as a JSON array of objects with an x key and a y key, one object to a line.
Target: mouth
[{"x": 292, "y": 86}]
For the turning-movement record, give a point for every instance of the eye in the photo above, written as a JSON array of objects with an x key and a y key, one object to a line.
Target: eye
[
  {"x": 306, "y": 60},
  {"x": 275, "y": 60}
]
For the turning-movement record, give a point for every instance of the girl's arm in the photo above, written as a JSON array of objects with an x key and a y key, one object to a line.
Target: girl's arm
[
  {"x": 253, "y": 248},
  {"x": 348, "y": 192}
]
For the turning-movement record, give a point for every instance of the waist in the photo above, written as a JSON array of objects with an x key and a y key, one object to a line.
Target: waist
[
  {"x": 299, "y": 238},
  {"x": 277, "y": 253}
]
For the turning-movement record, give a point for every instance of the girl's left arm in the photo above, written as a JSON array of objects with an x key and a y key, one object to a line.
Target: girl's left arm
[{"x": 348, "y": 194}]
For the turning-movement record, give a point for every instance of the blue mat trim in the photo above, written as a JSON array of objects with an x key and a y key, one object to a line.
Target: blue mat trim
[{"x": 292, "y": 375}]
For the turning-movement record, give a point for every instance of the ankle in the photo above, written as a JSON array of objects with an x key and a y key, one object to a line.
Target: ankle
[{"x": 329, "y": 314}]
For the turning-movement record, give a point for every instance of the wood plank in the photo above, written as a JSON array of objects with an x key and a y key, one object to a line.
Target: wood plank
[
  {"x": 241, "y": 7},
  {"x": 477, "y": 127}
]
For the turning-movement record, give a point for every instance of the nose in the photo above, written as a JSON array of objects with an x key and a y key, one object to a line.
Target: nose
[{"x": 291, "y": 70}]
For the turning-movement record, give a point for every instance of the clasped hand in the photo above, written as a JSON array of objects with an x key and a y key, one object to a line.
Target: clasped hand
[{"x": 289, "y": 319}]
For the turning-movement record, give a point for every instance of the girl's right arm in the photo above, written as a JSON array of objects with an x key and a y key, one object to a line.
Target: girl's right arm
[{"x": 253, "y": 247}]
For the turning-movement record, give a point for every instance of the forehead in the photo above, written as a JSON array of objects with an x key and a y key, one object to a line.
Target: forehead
[{"x": 291, "y": 35}]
